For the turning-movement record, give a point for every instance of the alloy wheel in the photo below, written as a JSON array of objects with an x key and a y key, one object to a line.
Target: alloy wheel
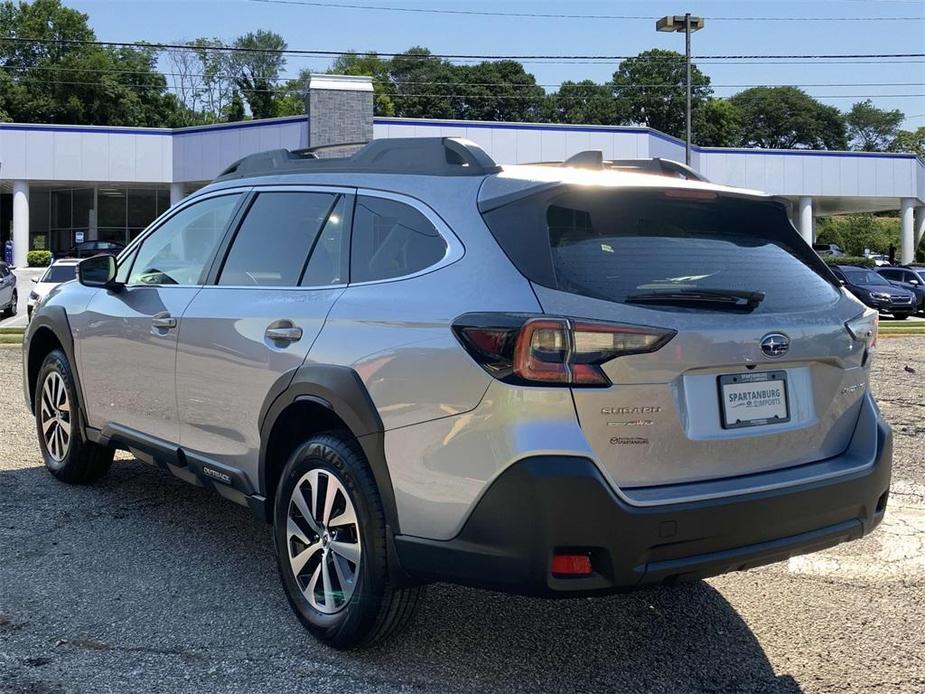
[
  {"x": 55, "y": 416},
  {"x": 323, "y": 541}
]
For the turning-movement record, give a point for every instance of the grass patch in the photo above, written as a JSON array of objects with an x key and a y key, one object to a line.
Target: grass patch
[
  {"x": 12, "y": 331},
  {"x": 10, "y": 339}
]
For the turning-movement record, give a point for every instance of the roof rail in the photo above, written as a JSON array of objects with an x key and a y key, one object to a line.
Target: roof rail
[
  {"x": 427, "y": 156},
  {"x": 594, "y": 159}
]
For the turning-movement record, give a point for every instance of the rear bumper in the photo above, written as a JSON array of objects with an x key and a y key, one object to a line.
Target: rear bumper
[{"x": 549, "y": 504}]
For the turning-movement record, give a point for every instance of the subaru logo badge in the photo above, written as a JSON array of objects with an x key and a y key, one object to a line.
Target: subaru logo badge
[{"x": 775, "y": 345}]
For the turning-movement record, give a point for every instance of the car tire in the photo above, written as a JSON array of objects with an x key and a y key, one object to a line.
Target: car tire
[
  {"x": 900, "y": 316},
  {"x": 68, "y": 456},
  {"x": 357, "y": 604}
]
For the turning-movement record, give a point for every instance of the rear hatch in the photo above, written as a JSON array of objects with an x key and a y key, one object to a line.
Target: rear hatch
[{"x": 761, "y": 373}]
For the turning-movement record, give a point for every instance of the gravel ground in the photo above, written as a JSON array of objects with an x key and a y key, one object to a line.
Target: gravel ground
[{"x": 142, "y": 583}]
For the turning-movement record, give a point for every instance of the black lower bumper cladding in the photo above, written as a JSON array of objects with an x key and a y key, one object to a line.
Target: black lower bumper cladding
[{"x": 546, "y": 505}]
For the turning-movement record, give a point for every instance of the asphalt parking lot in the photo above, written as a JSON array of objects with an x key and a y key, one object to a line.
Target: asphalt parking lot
[{"x": 141, "y": 583}]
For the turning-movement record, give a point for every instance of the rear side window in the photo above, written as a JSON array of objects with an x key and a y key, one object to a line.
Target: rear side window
[
  {"x": 391, "y": 239},
  {"x": 614, "y": 245},
  {"x": 272, "y": 245}
]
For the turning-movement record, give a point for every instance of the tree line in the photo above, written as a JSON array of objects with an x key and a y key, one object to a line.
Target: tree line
[{"x": 63, "y": 77}]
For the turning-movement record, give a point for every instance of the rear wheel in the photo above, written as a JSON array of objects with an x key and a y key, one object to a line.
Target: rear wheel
[
  {"x": 329, "y": 531},
  {"x": 68, "y": 456}
]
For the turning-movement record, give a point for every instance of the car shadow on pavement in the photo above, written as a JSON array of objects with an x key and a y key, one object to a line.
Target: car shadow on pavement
[{"x": 140, "y": 563}]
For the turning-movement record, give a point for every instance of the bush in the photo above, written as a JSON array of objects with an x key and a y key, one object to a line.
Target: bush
[
  {"x": 858, "y": 260},
  {"x": 38, "y": 258},
  {"x": 856, "y": 232}
]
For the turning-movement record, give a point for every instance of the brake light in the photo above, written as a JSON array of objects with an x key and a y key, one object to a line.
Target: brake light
[
  {"x": 864, "y": 329},
  {"x": 541, "y": 350}
]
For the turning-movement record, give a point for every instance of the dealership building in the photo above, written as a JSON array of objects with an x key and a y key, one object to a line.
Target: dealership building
[{"x": 60, "y": 184}]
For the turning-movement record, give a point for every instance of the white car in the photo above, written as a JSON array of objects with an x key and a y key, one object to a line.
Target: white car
[{"x": 58, "y": 272}]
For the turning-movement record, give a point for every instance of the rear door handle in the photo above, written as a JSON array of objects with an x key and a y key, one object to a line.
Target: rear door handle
[
  {"x": 164, "y": 321},
  {"x": 283, "y": 331}
]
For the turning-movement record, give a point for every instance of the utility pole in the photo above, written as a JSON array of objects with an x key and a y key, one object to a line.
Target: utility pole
[{"x": 688, "y": 25}]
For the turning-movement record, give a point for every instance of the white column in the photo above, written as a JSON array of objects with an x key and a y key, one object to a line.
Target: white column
[
  {"x": 905, "y": 218},
  {"x": 918, "y": 226},
  {"x": 177, "y": 193},
  {"x": 806, "y": 219},
  {"x": 20, "y": 222}
]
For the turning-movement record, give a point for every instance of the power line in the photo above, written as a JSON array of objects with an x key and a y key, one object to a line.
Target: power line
[
  {"x": 554, "y": 15},
  {"x": 657, "y": 85},
  {"x": 448, "y": 56},
  {"x": 406, "y": 95}
]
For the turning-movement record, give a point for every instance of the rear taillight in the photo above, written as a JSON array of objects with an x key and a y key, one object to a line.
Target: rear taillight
[
  {"x": 864, "y": 329},
  {"x": 541, "y": 350}
]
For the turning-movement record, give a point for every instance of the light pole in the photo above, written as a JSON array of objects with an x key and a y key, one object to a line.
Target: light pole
[{"x": 688, "y": 25}]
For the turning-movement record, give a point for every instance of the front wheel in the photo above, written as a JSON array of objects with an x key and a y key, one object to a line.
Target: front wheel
[
  {"x": 329, "y": 531},
  {"x": 68, "y": 456},
  {"x": 900, "y": 316}
]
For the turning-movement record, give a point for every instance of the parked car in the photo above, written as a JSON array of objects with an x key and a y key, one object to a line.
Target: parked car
[
  {"x": 561, "y": 380},
  {"x": 828, "y": 249},
  {"x": 879, "y": 260},
  {"x": 910, "y": 279},
  {"x": 875, "y": 291},
  {"x": 90, "y": 248},
  {"x": 58, "y": 272},
  {"x": 9, "y": 297}
]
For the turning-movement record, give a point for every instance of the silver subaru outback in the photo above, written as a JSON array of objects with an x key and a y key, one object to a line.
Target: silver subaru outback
[{"x": 563, "y": 379}]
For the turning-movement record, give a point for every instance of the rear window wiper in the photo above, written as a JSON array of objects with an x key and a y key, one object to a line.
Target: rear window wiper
[{"x": 729, "y": 299}]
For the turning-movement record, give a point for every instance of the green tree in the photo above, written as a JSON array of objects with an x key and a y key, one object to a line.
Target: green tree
[
  {"x": 910, "y": 141},
  {"x": 372, "y": 65},
  {"x": 871, "y": 129},
  {"x": 651, "y": 90},
  {"x": 717, "y": 123},
  {"x": 584, "y": 102},
  {"x": 234, "y": 111},
  {"x": 60, "y": 79},
  {"x": 424, "y": 86},
  {"x": 788, "y": 118},
  {"x": 856, "y": 233},
  {"x": 498, "y": 91},
  {"x": 257, "y": 65}
]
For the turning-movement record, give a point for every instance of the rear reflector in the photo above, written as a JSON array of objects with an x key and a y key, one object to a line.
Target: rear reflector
[{"x": 571, "y": 565}]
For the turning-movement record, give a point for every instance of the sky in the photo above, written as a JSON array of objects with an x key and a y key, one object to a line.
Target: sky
[{"x": 865, "y": 27}]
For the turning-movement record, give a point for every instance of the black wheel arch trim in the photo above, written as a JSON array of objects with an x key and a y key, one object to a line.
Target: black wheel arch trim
[
  {"x": 340, "y": 390},
  {"x": 53, "y": 318}
]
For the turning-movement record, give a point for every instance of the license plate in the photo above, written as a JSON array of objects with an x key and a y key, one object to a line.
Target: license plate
[{"x": 753, "y": 399}]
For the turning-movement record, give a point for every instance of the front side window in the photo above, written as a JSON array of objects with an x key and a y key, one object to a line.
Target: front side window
[
  {"x": 391, "y": 239},
  {"x": 178, "y": 250},
  {"x": 272, "y": 245}
]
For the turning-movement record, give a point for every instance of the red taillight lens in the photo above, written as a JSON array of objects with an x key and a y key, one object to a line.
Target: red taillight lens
[
  {"x": 571, "y": 565},
  {"x": 548, "y": 351}
]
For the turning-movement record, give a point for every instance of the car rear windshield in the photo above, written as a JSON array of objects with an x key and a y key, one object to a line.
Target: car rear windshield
[
  {"x": 60, "y": 273},
  {"x": 617, "y": 245}
]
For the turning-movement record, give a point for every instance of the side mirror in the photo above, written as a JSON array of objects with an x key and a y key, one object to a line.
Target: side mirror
[{"x": 98, "y": 271}]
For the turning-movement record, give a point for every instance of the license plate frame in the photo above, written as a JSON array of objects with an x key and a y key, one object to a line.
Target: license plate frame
[{"x": 751, "y": 379}]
